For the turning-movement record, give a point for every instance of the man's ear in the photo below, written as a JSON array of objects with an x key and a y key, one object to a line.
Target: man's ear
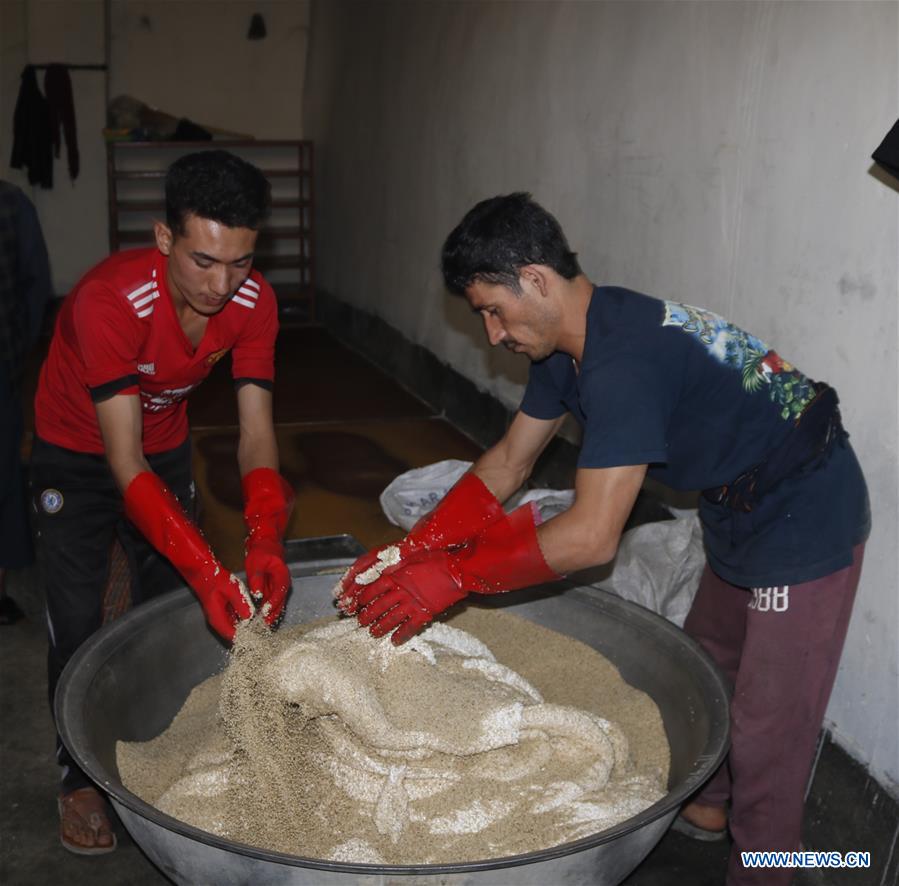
[
  {"x": 532, "y": 278},
  {"x": 164, "y": 237}
]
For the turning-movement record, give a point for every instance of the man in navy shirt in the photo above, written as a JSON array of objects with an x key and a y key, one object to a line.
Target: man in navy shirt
[{"x": 676, "y": 392}]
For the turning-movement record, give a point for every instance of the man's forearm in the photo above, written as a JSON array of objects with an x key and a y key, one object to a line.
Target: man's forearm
[
  {"x": 569, "y": 543},
  {"x": 506, "y": 466},
  {"x": 589, "y": 532},
  {"x": 499, "y": 477},
  {"x": 257, "y": 446},
  {"x": 121, "y": 426},
  {"x": 126, "y": 468},
  {"x": 257, "y": 451}
]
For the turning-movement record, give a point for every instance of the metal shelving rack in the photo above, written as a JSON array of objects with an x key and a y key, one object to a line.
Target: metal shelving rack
[{"x": 285, "y": 249}]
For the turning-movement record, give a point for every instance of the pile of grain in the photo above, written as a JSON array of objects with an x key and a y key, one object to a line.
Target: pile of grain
[{"x": 487, "y": 737}]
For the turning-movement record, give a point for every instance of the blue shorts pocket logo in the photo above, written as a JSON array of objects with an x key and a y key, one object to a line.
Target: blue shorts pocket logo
[{"x": 51, "y": 501}]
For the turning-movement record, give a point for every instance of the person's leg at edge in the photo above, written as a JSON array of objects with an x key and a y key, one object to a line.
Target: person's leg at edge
[
  {"x": 717, "y": 621},
  {"x": 794, "y": 639},
  {"x": 15, "y": 541}
]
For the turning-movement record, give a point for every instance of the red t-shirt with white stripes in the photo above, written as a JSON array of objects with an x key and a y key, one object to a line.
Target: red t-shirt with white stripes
[{"x": 117, "y": 333}]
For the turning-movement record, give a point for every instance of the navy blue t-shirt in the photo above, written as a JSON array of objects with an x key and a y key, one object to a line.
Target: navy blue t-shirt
[{"x": 701, "y": 401}]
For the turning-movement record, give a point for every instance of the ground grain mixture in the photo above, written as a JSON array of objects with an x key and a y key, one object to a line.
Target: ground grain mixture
[{"x": 483, "y": 737}]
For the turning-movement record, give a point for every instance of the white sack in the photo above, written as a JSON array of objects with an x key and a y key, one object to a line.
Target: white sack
[
  {"x": 415, "y": 493},
  {"x": 658, "y": 564}
]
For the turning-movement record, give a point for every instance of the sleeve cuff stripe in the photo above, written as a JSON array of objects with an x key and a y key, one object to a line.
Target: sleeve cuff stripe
[
  {"x": 261, "y": 382},
  {"x": 109, "y": 388}
]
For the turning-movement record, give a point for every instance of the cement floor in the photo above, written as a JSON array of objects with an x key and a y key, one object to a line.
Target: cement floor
[{"x": 344, "y": 435}]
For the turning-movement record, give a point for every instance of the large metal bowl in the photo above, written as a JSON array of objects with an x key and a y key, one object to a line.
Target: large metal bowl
[{"x": 128, "y": 682}]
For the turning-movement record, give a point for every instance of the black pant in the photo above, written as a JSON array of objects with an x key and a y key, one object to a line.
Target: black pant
[
  {"x": 78, "y": 512},
  {"x": 15, "y": 537}
]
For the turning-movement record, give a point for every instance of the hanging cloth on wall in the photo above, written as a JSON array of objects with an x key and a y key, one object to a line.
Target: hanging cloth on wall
[
  {"x": 58, "y": 89},
  {"x": 32, "y": 147}
]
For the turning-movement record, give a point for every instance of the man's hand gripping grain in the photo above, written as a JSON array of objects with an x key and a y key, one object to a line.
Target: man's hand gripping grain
[
  {"x": 502, "y": 557},
  {"x": 464, "y": 511}
]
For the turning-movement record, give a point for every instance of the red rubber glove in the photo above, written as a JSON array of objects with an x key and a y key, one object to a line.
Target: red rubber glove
[
  {"x": 503, "y": 557},
  {"x": 268, "y": 501},
  {"x": 155, "y": 511},
  {"x": 466, "y": 509}
]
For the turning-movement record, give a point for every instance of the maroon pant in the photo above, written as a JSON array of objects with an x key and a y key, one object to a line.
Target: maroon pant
[{"x": 780, "y": 648}]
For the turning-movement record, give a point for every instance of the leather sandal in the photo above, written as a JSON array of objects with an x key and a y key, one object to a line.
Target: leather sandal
[
  {"x": 686, "y": 825},
  {"x": 84, "y": 826},
  {"x": 688, "y": 829}
]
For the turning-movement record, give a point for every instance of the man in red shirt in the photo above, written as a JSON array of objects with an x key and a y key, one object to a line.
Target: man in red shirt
[{"x": 112, "y": 450}]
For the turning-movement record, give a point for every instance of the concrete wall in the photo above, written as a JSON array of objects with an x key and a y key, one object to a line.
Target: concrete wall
[
  {"x": 716, "y": 153},
  {"x": 192, "y": 59},
  {"x": 189, "y": 58}
]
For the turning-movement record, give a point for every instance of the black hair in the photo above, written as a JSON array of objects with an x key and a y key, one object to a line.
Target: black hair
[
  {"x": 500, "y": 236},
  {"x": 217, "y": 185}
]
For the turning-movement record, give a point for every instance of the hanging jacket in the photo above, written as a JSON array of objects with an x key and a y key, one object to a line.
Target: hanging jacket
[
  {"x": 58, "y": 89},
  {"x": 32, "y": 147}
]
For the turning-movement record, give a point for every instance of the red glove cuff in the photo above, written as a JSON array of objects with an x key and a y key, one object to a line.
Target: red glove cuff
[
  {"x": 463, "y": 512},
  {"x": 153, "y": 508},
  {"x": 268, "y": 502},
  {"x": 505, "y": 556}
]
